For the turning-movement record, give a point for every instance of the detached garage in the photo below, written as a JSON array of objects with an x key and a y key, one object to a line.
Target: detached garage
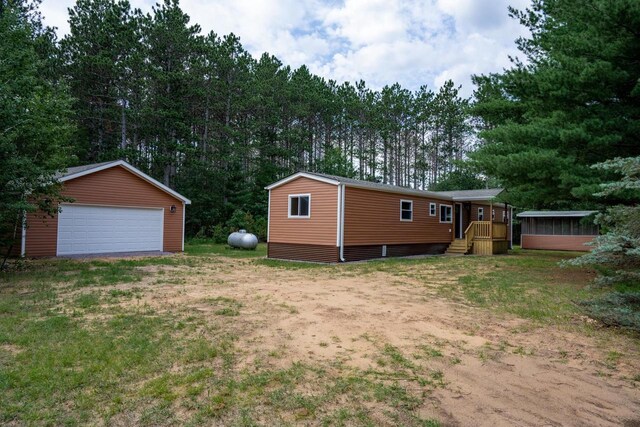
[{"x": 115, "y": 208}]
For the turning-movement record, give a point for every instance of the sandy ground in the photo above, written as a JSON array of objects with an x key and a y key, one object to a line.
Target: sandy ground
[{"x": 498, "y": 370}]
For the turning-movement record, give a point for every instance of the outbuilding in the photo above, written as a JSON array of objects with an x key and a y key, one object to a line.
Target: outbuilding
[
  {"x": 327, "y": 218},
  {"x": 557, "y": 230},
  {"x": 115, "y": 208}
]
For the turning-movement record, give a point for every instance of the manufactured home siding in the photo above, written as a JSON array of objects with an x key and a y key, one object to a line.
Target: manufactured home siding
[
  {"x": 115, "y": 186},
  {"x": 487, "y": 212},
  {"x": 298, "y": 252},
  {"x": 373, "y": 218},
  {"x": 319, "y": 229},
  {"x": 556, "y": 242}
]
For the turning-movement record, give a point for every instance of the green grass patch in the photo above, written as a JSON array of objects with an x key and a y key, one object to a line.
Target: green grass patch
[
  {"x": 527, "y": 284},
  {"x": 207, "y": 248}
]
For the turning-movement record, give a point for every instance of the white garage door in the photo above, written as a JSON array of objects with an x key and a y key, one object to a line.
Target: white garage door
[{"x": 104, "y": 229}]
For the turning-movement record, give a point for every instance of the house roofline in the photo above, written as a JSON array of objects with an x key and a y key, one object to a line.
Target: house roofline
[
  {"x": 131, "y": 169},
  {"x": 390, "y": 189},
  {"x": 301, "y": 175}
]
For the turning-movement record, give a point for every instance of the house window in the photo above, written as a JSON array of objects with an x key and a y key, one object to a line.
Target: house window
[
  {"x": 299, "y": 205},
  {"x": 493, "y": 214},
  {"x": 446, "y": 213},
  {"x": 406, "y": 210},
  {"x": 432, "y": 209},
  {"x": 480, "y": 214}
]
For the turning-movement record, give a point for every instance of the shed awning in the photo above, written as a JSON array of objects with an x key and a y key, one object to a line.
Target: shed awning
[{"x": 555, "y": 214}]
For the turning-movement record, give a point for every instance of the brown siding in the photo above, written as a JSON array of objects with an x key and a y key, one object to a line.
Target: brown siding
[
  {"x": 559, "y": 243},
  {"x": 487, "y": 211},
  {"x": 373, "y": 218},
  {"x": 115, "y": 186},
  {"x": 499, "y": 208},
  {"x": 297, "y": 252},
  {"x": 319, "y": 229},
  {"x": 363, "y": 252}
]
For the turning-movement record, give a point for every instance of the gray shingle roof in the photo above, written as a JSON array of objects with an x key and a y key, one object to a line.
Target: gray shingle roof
[
  {"x": 485, "y": 194},
  {"x": 454, "y": 195},
  {"x": 546, "y": 214},
  {"x": 77, "y": 169},
  {"x": 376, "y": 185}
]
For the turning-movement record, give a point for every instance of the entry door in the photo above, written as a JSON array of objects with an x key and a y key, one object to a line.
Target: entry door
[
  {"x": 458, "y": 220},
  {"x": 107, "y": 229}
]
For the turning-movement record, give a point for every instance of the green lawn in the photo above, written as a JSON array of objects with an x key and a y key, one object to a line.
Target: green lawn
[
  {"x": 206, "y": 248},
  {"x": 78, "y": 344}
]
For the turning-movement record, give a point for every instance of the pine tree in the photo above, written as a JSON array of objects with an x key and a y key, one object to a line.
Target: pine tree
[
  {"x": 572, "y": 104},
  {"x": 34, "y": 118}
]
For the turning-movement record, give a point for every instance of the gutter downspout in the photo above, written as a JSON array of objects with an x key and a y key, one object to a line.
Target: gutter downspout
[
  {"x": 268, "y": 216},
  {"x": 341, "y": 222},
  {"x": 23, "y": 243}
]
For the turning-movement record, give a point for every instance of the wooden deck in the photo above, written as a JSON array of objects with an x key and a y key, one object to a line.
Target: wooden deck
[{"x": 482, "y": 238}]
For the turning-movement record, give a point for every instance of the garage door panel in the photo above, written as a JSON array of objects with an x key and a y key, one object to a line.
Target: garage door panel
[{"x": 105, "y": 229}]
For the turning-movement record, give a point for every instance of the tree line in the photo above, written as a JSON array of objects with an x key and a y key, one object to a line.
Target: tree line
[{"x": 199, "y": 113}]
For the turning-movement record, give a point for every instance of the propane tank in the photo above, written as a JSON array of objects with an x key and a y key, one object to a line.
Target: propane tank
[{"x": 242, "y": 239}]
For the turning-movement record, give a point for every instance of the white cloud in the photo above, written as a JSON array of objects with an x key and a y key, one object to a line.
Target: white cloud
[{"x": 414, "y": 42}]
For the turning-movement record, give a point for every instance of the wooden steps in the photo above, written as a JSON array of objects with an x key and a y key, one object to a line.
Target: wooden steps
[{"x": 458, "y": 247}]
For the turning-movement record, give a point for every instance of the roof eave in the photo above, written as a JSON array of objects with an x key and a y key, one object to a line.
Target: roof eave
[
  {"x": 301, "y": 175},
  {"x": 474, "y": 199},
  {"x": 410, "y": 192}
]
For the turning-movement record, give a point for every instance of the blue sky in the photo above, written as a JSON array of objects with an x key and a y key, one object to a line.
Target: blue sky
[{"x": 412, "y": 42}]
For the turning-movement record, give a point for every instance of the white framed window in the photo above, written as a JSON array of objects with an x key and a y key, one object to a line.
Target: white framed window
[
  {"x": 504, "y": 216},
  {"x": 480, "y": 214},
  {"x": 432, "y": 209},
  {"x": 299, "y": 206},
  {"x": 446, "y": 213},
  {"x": 493, "y": 215},
  {"x": 406, "y": 210}
]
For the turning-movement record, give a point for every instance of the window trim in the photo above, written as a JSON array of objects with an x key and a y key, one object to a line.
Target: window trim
[
  {"x": 289, "y": 207},
  {"x": 440, "y": 216},
  {"x": 435, "y": 209},
  {"x": 408, "y": 201},
  {"x": 480, "y": 214}
]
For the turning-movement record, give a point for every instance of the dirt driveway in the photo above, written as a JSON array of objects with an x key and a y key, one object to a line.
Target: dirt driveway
[{"x": 468, "y": 366}]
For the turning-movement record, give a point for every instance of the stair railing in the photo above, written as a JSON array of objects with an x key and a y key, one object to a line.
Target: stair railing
[{"x": 470, "y": 234}]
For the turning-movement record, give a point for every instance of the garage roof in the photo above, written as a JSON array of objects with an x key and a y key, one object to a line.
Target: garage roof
[{"x": 78, "y": 171}]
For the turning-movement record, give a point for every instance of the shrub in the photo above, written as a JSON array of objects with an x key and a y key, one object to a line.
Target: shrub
[{"x": 615, "y": 309}]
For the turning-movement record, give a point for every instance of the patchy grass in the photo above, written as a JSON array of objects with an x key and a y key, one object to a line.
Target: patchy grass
[
  {"x": 131, "y": 364},
  {"x": 291, "y": 265},
  {"x": 527, "y": 284},
  {"x": 78, "y": 343}
]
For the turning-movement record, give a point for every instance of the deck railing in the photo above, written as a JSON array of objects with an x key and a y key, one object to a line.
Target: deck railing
[
  {"x": 479, "y": 230},
  {"x": 486, "y": 237},
  {"x": 499, "y": 231}
]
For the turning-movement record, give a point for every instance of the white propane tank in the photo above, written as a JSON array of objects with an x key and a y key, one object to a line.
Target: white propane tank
[{"x": 242, "y": 239}]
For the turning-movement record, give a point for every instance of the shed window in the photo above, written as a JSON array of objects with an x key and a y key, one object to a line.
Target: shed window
[
  {"x": 566, "y": 226},
  {"x": 299, "y": 206},
  {"x": 432, "y": 209},
  {"x": 446, "y": 213},
  {"x": 493, "y": 214},
  {"x": 406, "y": 210},
  {"x": 480, "y": 214}
]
